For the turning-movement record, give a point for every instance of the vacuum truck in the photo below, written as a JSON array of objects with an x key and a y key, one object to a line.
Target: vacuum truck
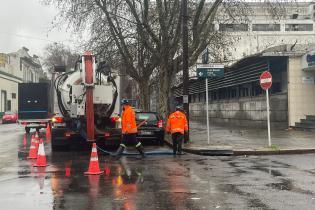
[{"x": 88, "y": 103}]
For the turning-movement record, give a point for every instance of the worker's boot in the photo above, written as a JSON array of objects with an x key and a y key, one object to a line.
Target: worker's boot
[
  {"x": 119, "y": 151},
  {"x": 180, "y": 152},
  {"x": 174, "y": 146},
  {"x": 140, "y": 150}
]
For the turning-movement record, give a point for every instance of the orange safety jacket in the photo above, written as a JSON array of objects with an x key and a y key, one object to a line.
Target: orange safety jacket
[
  {"x": 177, "y": 123},
  {"x": 128, "y": 120}
]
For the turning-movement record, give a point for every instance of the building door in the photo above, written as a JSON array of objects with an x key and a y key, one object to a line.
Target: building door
[{"x": 3, "y": 100}]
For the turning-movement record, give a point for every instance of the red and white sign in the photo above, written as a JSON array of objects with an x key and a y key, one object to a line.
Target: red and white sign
[{"x": 265, "y": 80}]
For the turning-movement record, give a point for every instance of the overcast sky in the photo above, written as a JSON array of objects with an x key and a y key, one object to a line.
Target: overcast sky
[{"x": 28, "y": 23}]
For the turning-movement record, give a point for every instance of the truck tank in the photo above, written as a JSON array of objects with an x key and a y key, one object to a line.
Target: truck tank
[{"x": 70, "y": 90}]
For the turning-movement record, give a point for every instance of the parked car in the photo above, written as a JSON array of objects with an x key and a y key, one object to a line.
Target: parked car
[
  {"x": 151, "y": 127},
  {"x": 9, "y": 117}
]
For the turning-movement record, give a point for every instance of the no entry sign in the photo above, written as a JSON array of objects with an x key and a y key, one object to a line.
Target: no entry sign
[
  {"x": 265, "y": 80},
  {"x": 265, "y": 83}
]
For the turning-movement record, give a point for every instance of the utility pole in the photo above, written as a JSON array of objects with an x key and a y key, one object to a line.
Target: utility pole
[{"x": 185, "y": 61}]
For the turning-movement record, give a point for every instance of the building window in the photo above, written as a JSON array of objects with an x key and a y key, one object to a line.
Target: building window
[
  {"x": 299, "y": 27},
  {"x": 202, "y": 97},
  {"x": 233, "y": 93},
  {"x": 276, "y": 87},
  {"x": 214, "y": 95},
  {"x": 233, "y": 27},
  {"x": 13, "y": 95},
  {"x": 266, "y": 27},
  {"x": 8, "y": 108}
]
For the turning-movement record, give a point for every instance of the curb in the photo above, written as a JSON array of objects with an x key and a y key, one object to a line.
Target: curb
[
  {"x": 205, "y": 152},
  {"x": 274, "y": 152},
  {"x": 231, "y": 152}
]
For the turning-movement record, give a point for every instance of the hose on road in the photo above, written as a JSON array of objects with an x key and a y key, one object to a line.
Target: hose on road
[{"x": 150, "y": 153}]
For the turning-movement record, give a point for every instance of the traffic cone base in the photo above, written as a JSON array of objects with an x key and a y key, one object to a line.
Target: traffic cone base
[
  {"x": 35, "y": 165},
  {"x": 94, "y": 173},
  {"x": 41, "y": 157},
  {"x": 94, "y": 168}
]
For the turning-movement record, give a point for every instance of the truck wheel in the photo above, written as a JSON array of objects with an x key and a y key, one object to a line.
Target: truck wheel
[
  {"x": 27, "y": 129},
  {"x": 58, "y": 140}
]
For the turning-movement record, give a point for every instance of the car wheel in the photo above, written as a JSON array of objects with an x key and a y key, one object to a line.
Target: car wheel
[
  {"x": 27, "y": 130},
  {"x": 161, "y": 141}
]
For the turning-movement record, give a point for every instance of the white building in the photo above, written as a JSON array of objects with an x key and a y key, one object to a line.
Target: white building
[
  {"x": 261, "y": 31},
  {"x": 15, "y": 68}
]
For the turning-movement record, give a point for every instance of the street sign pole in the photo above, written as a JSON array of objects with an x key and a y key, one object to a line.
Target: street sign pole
[
  {"x": 207, "y": 108},
  {"x": 266, "y": 83},
  {"x": 206, "y": 70},
  {"x": 268, "y": 117}
]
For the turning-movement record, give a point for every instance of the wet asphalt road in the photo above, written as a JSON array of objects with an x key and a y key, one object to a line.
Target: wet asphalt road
[{"x": 159, "y": 182}]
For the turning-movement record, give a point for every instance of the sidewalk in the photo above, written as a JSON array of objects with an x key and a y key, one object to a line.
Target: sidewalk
[{"x": 249, "y": 141}]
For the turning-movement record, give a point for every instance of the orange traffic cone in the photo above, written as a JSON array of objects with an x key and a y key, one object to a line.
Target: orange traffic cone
[
  {"x": 33, "y": 150},
  {"x": 48, "y": 132},
  {"x": 41, "y": 157},
  {"x": 94, "y": 168},
  {"x": 107, "y": 170},
  {"x": 24, "y": 140},
  {"x": 36, "y": 135}
]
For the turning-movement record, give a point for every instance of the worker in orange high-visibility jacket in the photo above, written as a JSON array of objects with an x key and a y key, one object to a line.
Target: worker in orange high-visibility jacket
[
  {"x": 177, "y": 125},
  {"x": 129, "y": 129}
]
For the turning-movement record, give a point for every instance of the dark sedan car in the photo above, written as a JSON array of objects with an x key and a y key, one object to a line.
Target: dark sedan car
[{"x": 150, "y": 127}]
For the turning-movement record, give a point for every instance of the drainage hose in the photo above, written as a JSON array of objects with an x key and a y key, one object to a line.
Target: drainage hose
[{"x": 151, "y": 153}]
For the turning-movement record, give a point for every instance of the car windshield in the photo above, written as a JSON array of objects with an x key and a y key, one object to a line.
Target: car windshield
[
  {"x": 8, "y": 113},
  {"x": 146, "y": 116}
]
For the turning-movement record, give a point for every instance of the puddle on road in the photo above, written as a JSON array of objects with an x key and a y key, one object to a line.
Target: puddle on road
[
  {"x": 252, "y": 201},
  {"x": 287, "y": 185},
  {"x": 125, "y": 183},
  {"x": 267, "y": 169}
]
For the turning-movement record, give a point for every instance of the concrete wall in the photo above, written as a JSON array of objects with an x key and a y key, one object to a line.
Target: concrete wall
[
  {"x": 10, "y": 87},
  {"x": 249, "y": 43},
  {"x": 301, "y": 92},
  {"x": 247, "y": 111}
]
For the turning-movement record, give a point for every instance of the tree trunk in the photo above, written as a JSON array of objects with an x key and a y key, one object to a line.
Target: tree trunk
[
  {"x": 144, "y": 95},
  {"x": 164, "y": 92}
]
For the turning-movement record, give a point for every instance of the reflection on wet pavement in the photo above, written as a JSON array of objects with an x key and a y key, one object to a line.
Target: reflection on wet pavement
[{"x": 157, "y": 182}]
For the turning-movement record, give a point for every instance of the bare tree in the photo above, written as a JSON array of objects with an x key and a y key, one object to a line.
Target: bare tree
[
  {"x": 58, "y": 54},
  {"x": 144, "y": 35}
]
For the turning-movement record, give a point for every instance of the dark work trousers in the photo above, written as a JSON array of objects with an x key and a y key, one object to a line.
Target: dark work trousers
[
  {"x": 177, "y": 142},
  {"x": 130, "y": 139}
]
